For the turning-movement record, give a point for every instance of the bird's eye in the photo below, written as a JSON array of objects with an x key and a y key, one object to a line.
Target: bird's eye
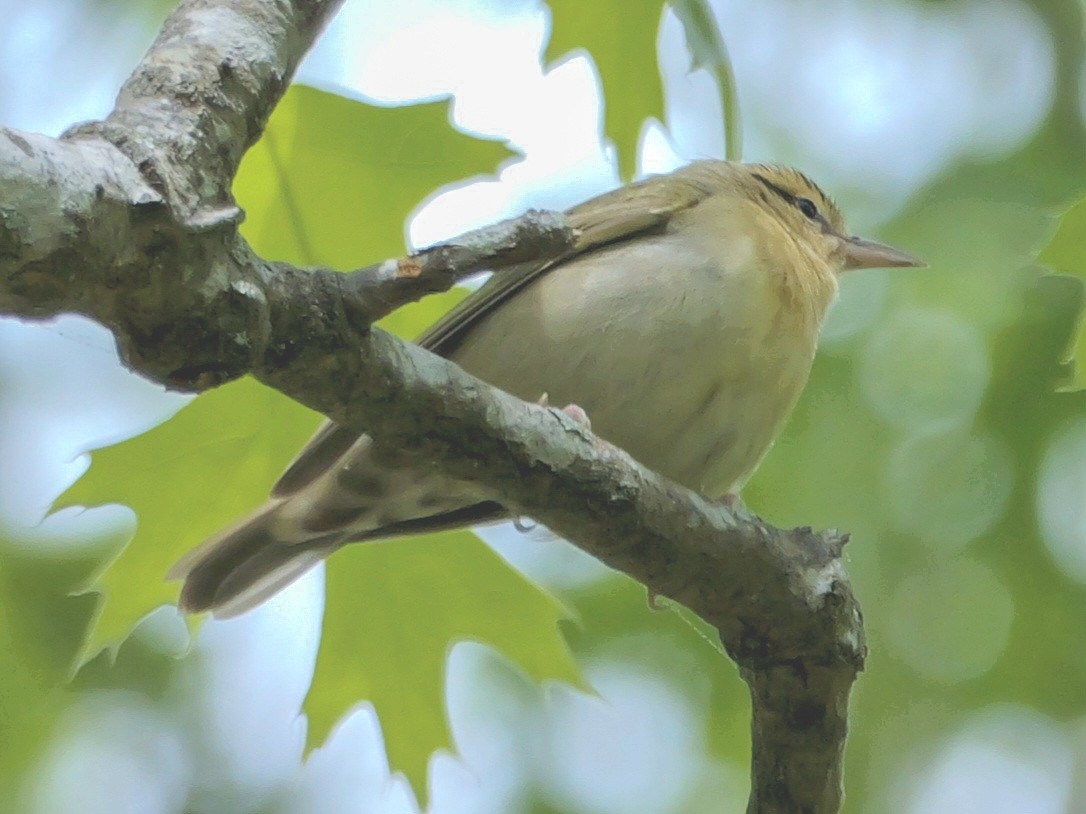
[{"x": 807, "y": 207}]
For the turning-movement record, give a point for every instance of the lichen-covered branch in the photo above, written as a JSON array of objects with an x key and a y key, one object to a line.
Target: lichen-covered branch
[{"x": 130, "y": 221}]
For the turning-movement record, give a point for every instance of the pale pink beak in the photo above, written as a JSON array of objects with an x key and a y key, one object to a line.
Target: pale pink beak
[{"x": 867, "y": 254}]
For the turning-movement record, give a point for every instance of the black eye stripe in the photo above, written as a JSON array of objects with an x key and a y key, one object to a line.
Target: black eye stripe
[
  {"x": 784, "y": 193},
  {"x": 805, "y": 205}
]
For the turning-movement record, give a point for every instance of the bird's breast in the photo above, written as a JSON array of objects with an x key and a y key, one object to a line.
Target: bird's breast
[{"x": 689, "y": 363}]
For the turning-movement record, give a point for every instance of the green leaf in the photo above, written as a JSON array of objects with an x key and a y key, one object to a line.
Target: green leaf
[
  {"x": 1066, "y": 254},
  {"x": 392, "y": 612},
  {"x": 210, "y": 464},
  {"x": 333, "y": 180},
  {"x": 621, "y": 37}
]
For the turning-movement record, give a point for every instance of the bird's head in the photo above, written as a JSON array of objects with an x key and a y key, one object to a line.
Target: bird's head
[{"x": 811, "y": 216}]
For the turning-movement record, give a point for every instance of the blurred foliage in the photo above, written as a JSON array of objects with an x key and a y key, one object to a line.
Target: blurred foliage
[
  {"x": 45, "y": 616},
  {"x": 42, "y": 627},
  {"x": 152, "y": 8},
  {"x": 923, "y": 433},
  {"x": 955, "y": 624}
]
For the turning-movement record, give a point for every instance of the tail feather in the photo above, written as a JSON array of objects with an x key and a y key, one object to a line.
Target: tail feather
[
  {"x": 238, "y": 595},
  {"x": 244, "y": 565}
]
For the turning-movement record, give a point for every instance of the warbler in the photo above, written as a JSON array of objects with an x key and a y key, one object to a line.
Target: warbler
[{"x": 685, "y": 328}]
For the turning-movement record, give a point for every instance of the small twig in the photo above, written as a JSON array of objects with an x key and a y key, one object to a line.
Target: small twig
[{"x": 380, "y": 289}]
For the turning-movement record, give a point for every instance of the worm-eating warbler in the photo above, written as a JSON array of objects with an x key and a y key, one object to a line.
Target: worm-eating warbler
[{"x": 685, "y": 329}]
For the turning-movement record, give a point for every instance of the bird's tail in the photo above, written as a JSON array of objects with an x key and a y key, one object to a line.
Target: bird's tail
[{"x": 245, "y": 564}]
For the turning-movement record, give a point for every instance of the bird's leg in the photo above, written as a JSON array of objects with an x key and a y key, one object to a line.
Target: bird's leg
[{"x": 732, "y": 501}]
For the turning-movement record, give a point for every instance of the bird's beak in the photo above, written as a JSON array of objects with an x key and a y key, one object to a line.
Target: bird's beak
[{"x": 867, "y": 254}]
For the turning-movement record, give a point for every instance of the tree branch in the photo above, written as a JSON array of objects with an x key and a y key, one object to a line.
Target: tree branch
[
  {"x": 130, "y": 221},
  {"x": 204, "y": 91},
  {"x": 378, "y": 290}
]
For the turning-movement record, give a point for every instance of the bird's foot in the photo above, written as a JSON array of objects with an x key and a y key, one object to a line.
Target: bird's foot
[
  {"x": 733, "y": 502},
  {"x": 574, "y": 411},
  {"x": 578, "y": 414}
]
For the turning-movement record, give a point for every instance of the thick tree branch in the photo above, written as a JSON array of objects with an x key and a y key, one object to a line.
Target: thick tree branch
[
  {"x": 203, "y": 93},
  {"x": 130, "y": 222}
]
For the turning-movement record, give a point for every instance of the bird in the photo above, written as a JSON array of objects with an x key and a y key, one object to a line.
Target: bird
[{"x": 684, "y": 326}]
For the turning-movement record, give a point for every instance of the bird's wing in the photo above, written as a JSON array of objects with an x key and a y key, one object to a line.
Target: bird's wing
[{"x": 609, "y": 218}]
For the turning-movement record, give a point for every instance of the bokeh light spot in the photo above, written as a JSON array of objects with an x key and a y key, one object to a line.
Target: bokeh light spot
[
  {"x": 925, "y": 370},
  {"x": 949, "y": 488},
  {"x": 1006, "y": 761},
  {"x": 118, "y": 754},
  {"x": 926, "y": 83},
  {"x": 633, "y": 750},
  {"x": 949, "y": 623},
  {"x": 1061, "y": 499}
]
